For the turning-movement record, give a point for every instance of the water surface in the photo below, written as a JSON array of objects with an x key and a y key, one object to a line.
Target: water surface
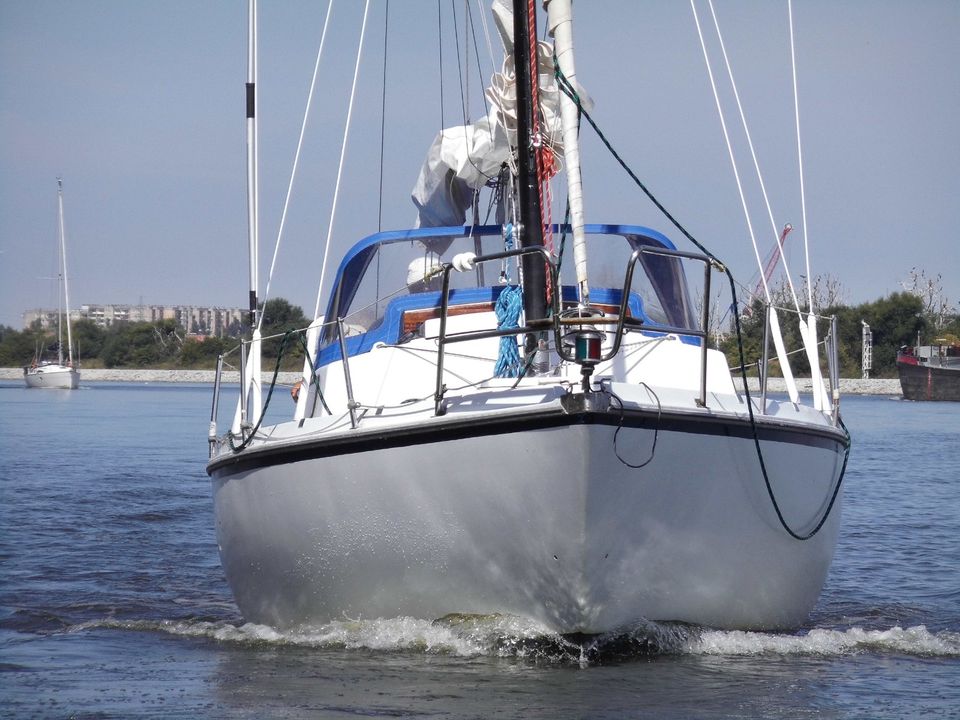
[{"x": 113, "y": 603}]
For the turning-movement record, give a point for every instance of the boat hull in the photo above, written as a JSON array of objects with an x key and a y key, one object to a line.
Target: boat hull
[
  {"x": 929, "y": 382},
  {"x": 57, "y": 377},
  {"x": 548, "y": 523}
]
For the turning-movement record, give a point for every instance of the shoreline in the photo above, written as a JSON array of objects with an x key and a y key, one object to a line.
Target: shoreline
[
  {"x": 848, "y": 386},
  {"x": 144, "y": 375}
]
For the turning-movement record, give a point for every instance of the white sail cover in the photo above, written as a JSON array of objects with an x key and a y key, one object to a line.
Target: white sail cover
[{"x": 463, "y": 158}]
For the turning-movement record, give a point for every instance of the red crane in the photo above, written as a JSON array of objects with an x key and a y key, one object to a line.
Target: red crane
[{"x": 772, "y": 259}]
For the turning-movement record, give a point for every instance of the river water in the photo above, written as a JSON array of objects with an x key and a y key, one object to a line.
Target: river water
[{"x": 113, "y": 603}]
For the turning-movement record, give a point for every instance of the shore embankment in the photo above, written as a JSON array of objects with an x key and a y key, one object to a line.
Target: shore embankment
[
  {"x": 848, "y": 386},
  {"x": 135, "y": 375}
]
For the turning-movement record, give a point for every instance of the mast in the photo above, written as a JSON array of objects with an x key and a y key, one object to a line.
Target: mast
[
  {"x": 66, "y": 284},
  {"x": 249, "y": 414},
  {"x": 560, "y": 23},
  {"x": 531, "y": 218},
  {"x": 59, "y": 272},
  {"x": 252, "y": 189}
]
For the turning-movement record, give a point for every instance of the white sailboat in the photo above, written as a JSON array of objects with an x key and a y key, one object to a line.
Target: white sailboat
[
  {"x": 482, "y": 429},
  {"x": 64, "y": 374}
]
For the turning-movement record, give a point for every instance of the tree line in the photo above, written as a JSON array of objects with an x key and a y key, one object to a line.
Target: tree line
[
  {"x": 162, "y": 344},
  {"x": 896, "y": 320},
  {"x": 920, "y": 312}
]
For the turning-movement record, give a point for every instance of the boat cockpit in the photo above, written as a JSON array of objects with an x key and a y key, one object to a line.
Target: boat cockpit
[{"x": 389, "y": 284}]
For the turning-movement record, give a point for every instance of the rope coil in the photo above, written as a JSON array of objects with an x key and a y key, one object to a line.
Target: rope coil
[{"x": 508, "y": 308}]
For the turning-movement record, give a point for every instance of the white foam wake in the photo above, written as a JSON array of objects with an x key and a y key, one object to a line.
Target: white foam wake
[
  {"x": 910, "y": 641},
  {"x": 456, "y": 635},
  {"x": 507, "y": 636}
]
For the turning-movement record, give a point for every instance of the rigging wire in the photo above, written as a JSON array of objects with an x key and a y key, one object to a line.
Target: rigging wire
[
  {"x": 803, "y": 196},
  {"x": 476, "y": 55},
  {"x": 296, "y": 159},
  {"x": 383, "y": 124},
  {"x": 481, "y": 11},
  {"x": 774, "y": 320},
  {"x": 440, "y": 58},
  {"x": 343, "y": 154},
  {"x": 807, "y": 328},
  {"x": 463, "y": 59},
  {"x": 753, "y": 153},
  {"x": 383, "y": 115},
  {"x": 726, "y": 136}
]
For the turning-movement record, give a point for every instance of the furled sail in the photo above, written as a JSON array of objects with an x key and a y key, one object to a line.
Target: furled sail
[{"x": 463, "y": 158}]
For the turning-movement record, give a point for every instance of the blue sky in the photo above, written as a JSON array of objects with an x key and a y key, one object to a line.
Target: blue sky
[{"x": 139, "y": 106}]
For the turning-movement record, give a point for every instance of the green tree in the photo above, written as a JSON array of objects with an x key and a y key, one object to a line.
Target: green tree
[
  {"x": 751, "y": 329},
  {"x": 895, "y": 321},
  {"x": 752, "y": 323},
  {"x": 142, "y": 345},
  {"x": 279, "y": 317},
  {"x": 202, "y": 354},
  {"x": 88, "y": 339},
  {"x": 19, "y": 347},
  {"x": 849, "y": 329}
]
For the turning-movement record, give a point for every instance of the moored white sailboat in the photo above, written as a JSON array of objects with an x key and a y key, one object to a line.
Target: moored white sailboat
[
  {"x": 64, "y": 374},
  {"x": 483, "y": 430}
]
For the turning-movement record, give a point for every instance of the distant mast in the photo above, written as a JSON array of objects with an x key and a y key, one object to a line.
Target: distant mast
[{"x": 66, "y": 283}]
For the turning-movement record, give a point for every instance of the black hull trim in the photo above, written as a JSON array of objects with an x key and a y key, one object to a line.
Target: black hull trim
[
  {"x": 925, "y": 382},
  {"x": 455, "y": 429}
]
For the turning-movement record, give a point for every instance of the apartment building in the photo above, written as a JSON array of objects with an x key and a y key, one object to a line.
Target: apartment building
[{"x": 194, "y": 319}]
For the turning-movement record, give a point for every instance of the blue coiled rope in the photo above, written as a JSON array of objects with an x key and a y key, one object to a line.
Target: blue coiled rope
[{"x": 508, "y": 308}]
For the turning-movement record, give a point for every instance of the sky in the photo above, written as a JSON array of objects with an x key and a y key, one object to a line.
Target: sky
[{"x": 139, "y": 107}]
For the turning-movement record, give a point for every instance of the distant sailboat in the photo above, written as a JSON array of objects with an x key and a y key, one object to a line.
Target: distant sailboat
[{"x": 47, "y": 373}]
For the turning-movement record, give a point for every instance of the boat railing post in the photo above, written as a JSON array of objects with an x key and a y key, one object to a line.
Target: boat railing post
[
  {"x": 215, "y": 407},
  {"x": 705, "y": 325},
  {"x": 442, "y": 338},
  {"x": 765, "y": 362},
  {"x": 351, "y": 403},
  {"x": 243, "y": 388},
  {"x": 833, "y": 363},
  {"x": 701, "y": 332}
]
